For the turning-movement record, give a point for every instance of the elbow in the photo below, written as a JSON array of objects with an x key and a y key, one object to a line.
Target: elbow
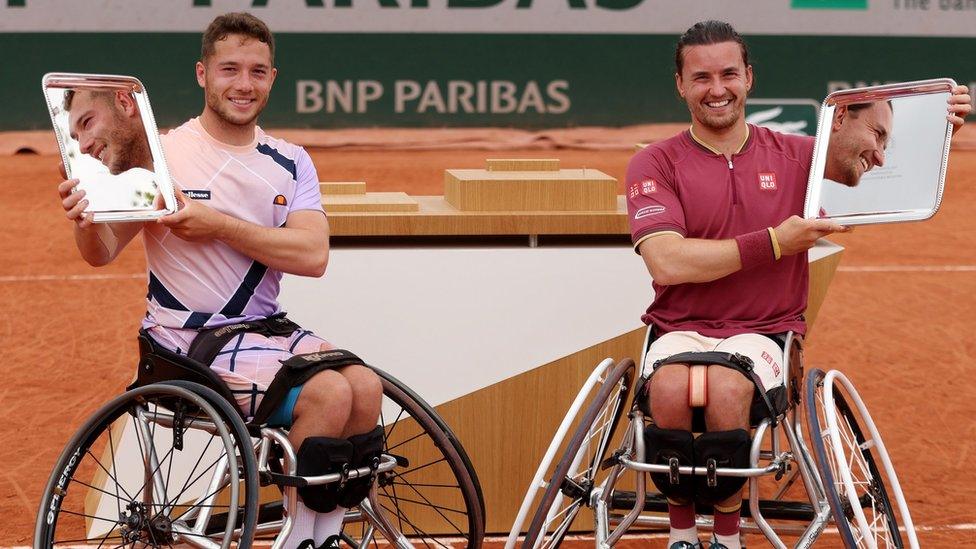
[
  {"x": 664, "y": 274},
  {"x": 97, "y": 261},
  {"x": 316, "y": 267}
]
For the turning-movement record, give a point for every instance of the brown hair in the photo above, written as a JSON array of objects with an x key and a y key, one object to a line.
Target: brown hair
[
  {"x": 69, "y": 96},
  {"x": 708, "y": 32},
  {"x": 235, "y": 23}
]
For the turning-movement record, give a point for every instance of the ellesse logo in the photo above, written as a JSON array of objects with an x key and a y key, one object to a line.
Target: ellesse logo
[{"x": 197, "y": 195}]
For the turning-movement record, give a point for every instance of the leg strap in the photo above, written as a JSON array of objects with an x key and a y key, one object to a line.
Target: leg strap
[
  {"x": 322, "y": 456},
  {"x": 735, "y": 361},
  {"x": 366, "y": 451},
  {"x": 294, "y": 372}
]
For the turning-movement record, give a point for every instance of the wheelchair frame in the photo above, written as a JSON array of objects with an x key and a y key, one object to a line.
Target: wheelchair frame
[
  {"x": 615, "y": 511},
  {"x": 236, "y": 472}
]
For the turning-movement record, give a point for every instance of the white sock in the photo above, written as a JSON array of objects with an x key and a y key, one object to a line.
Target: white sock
[
  {"x": 302, "y": 524},
  {"x": 732, "y": 542},
  {"x": 328, "y": 524},
  {"x": 683, "y": 534}
]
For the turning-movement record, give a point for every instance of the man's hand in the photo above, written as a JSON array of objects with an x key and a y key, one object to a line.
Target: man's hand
[
  {"x": 796, "y": 235},
  {"x": 194, "y": 221},
  {"x": 960, "y": 105},
  {"x": 74, "y": 203}
]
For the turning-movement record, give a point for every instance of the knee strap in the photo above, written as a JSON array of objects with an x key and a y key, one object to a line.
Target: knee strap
[
  {"x": 294, "y": 372},
  {"x": 720, "y": 449},
  {"x": 674, "y": 448},
  {"x": 366, "y": 451},
  {"x": 735, "y": 361},
  {"x": 322, "y": 456}
]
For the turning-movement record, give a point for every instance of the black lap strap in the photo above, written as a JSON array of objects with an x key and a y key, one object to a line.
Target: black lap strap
[
  {"x": 295, "y": 371},
  {"x": 735, "y": 361},
  {"x": 208, "y": 343}
]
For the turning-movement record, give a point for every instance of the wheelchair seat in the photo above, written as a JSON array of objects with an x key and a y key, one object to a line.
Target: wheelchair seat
[{"x": 158, "y": 364}]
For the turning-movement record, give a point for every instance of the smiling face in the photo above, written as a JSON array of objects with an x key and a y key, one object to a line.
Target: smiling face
[
  {"x": 237, "y": 79},
  {"x": 714, "y": 81},
  {"x": 108, "y": 128},
  {"x": 858, "y": 138}
]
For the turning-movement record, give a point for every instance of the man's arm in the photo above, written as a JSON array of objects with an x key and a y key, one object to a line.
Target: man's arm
[
  {"x": 673, "y": 259},
  {"x": 100, "y": 243},
  {"x": 300, "y": 247}
]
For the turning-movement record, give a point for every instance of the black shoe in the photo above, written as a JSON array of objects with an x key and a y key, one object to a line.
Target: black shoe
[
  {"x": 685, "y": 545},
  {"x": 306, "y": 544},
  {"x": 716, "y": 545}
]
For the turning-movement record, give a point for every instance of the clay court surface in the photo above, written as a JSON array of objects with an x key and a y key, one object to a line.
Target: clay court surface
[{"x": 898, "y": 320}]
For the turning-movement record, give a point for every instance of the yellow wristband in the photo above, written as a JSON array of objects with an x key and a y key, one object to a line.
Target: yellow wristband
[{"x": 772, "y": 238}]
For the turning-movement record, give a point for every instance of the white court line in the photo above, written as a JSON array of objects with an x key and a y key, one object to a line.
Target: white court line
[
  {"x": 60, "y": 278},
  {"x": 843, "y": 269},
  {"x": 907, "y": 269}
]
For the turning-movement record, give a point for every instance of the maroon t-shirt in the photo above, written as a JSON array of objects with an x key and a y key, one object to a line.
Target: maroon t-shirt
[{"x": 678, "y": 185}]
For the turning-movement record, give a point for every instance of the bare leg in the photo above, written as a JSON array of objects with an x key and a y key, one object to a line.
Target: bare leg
[{"x": 729, "y": 400}]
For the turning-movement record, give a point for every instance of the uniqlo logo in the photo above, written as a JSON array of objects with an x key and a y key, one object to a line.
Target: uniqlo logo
[
  {"x": 767, "y": 181},
  {"x": 645, "y": 188}
]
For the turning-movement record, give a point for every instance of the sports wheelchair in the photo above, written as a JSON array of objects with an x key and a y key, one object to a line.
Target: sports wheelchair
[
  {"x": 848, "y": 478},
  {"x": 196, "y": 474}
]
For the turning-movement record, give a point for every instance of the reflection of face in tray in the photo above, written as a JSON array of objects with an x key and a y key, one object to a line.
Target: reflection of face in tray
[
  {"x": 883, "y": 156},
  {"x": 859, "y": 137},
  {"x": 108, "y": 127}
]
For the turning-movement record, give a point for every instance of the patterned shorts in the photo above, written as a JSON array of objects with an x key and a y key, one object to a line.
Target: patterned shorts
[{"x": 248, "y": 362}]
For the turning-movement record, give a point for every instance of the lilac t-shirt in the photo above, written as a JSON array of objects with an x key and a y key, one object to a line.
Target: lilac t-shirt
[
  {"x": 207, "y": 284},
  {"x": 680, "y": 186}
]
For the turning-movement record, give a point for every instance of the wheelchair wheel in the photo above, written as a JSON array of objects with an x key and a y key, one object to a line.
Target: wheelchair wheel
[
  {"x": 857, "y": 474},
  {"x": 570, "y": 485},
  {"x": 150, "y": 468},
  {"x": 435, "y": 498}
]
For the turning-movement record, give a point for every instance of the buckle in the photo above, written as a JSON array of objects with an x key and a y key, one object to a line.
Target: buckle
[
  {"x": 673, "y": 477},
  {"x": 710, "y": 467}
]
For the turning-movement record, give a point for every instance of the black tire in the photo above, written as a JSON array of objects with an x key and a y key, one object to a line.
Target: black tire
[
  {"x": 66, "y": 515},
  {"x": 607, "y": 406},
  {"x": 449, "y": 500},
  {"x": 875, "y": 496},
  {"x": 437, "y": 495}
]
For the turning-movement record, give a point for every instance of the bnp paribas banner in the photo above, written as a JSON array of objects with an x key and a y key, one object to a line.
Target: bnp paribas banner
[{"x": 519, "y": 63}]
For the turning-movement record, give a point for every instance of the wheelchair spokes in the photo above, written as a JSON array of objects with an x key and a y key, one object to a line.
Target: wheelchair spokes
[
  {"x": 579, "y": 473},
  {"x": 93, "y": 500},
  {"x": 432, "y": 498},
  {"x": 848, "y": 456}
]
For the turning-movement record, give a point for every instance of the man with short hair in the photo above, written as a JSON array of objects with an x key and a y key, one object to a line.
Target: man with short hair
[
  {"x": 108, "y": 127},
  {"x": 714, "y": 214},
  {"x": 859, "y": 135},
  {"x": 217, "y": 262}
]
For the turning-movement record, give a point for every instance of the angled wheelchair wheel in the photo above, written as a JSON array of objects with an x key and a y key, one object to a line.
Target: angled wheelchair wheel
[
  {"x": 577, "y": 472},
  {"x": 150, "y": 469},
  {"x": 434, "y": 497},
  {"x": 860, "y": 483}
]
